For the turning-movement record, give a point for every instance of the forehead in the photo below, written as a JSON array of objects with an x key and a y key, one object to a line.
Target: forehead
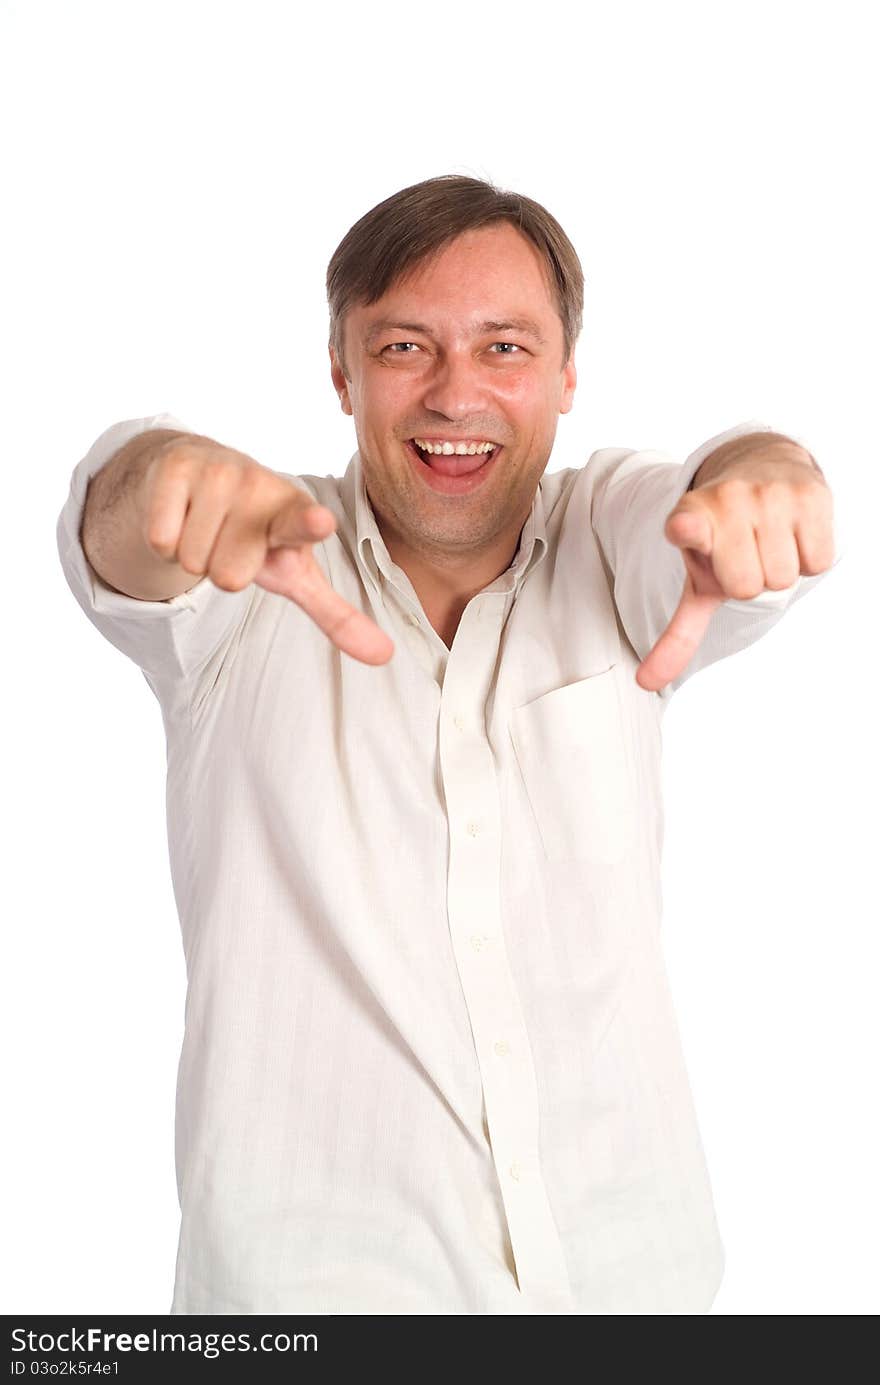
[{"x": 477, "y": 282}]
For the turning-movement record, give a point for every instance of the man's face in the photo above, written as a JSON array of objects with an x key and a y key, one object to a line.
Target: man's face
[{"x": 441, "y": 374}]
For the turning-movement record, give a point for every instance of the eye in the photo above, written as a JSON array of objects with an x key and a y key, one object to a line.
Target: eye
[{"x": 511, "y": 346}]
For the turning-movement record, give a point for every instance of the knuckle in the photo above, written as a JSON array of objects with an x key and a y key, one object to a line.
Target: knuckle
[
  {"x": 175, "y": 460},
  {"x": 218, "y": 476},
  {"x": 742, "y": 584},
  {"x": 733, "y": 484},
  {"x": 250, "y": 478},
  {"x": 775, "y": 490},
  {"x": 229, "y": 578},
  {"x": 818, "y": 559},
  {"x": 190, "y": 564},
  {"x": 158, "y": 539},
  {"x": 732, "y": 491}
]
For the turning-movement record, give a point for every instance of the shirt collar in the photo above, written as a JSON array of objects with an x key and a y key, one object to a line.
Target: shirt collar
[{"x": 375, "y": 561}]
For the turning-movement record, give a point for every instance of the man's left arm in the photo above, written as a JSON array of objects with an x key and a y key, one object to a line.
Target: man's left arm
[{"x": 751, "y": 515}]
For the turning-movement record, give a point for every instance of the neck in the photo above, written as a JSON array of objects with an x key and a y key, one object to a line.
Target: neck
[{"x": 445, "y": 583}]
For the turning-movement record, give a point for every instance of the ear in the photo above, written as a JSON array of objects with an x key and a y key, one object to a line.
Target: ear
[
  {"x": 569, "y": 383},
  {"x": 340, "y": 384}
]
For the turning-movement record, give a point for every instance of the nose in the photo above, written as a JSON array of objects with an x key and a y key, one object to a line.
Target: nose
[{"x": 455, "y": 388}]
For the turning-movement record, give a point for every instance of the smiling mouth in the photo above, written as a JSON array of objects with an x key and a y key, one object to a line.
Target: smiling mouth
[{"x": 453, "y": 463}]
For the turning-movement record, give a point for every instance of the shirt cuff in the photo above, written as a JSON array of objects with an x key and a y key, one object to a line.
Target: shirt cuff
[{"x": 755, "y": 425}]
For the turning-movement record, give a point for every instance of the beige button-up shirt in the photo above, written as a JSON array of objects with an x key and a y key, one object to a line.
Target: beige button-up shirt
[{"x": 430, "y": 1061}]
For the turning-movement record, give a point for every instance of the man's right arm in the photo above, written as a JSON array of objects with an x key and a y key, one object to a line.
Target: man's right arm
[
  {"x": 175, "y": 624},
  {"x": 112, "y": 534},
  {"x": 149, "y": 496}
]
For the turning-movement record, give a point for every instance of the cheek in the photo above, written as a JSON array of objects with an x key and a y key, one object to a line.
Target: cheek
[{"x": 528, "y": 412}]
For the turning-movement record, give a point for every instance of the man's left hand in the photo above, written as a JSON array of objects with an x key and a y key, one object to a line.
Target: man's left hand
[{"x": 759, "y": 516}]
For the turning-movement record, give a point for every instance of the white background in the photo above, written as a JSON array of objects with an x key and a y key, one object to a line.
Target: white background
[{"x": 175, "y": 178}]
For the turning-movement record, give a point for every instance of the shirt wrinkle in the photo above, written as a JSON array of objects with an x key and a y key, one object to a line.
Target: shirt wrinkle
[{"x": 430, "y": 1061}]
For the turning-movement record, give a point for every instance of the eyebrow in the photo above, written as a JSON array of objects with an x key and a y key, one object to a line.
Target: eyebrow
[{"x": 511, "y": 324}]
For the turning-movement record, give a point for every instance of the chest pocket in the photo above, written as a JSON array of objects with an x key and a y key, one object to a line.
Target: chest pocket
[{"x": 571, "y": 749}]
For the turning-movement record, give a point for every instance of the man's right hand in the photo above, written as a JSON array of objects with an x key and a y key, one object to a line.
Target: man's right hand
[{"x": 218, "y": 513}]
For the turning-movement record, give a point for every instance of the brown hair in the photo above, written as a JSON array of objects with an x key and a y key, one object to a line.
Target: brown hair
[{"x": 415, "y": 223}]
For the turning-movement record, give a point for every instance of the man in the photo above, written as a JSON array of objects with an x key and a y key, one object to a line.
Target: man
[{"x": 430, "y": 1063}]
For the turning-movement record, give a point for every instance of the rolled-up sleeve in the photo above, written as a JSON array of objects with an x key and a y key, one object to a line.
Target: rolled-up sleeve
[
  {"x": 631, "y": 497},
  {"x": 176, "y": 643}
]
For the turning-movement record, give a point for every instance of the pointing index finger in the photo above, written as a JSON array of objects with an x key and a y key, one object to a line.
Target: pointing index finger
[{"x": 680, "y": 640}]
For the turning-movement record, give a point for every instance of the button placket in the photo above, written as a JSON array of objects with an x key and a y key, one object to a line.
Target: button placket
[{"x": 497, "y": 1022}]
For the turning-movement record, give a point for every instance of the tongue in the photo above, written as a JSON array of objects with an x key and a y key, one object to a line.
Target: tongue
[{"x": 457, "y": 464}]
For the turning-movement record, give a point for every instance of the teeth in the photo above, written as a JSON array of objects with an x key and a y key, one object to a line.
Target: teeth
[{"x": 461, "y": 449}]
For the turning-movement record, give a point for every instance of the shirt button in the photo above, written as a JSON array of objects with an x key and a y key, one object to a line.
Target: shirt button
[
  {"x": 479, "y": 940},
  {"x": 458, "y": 723},
  {"x": 502, "y": 1047},
  {"x": 413, "y": 618},
  {"x": 516, "y": 1171},
  {"x": 472, "y": 829}
]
